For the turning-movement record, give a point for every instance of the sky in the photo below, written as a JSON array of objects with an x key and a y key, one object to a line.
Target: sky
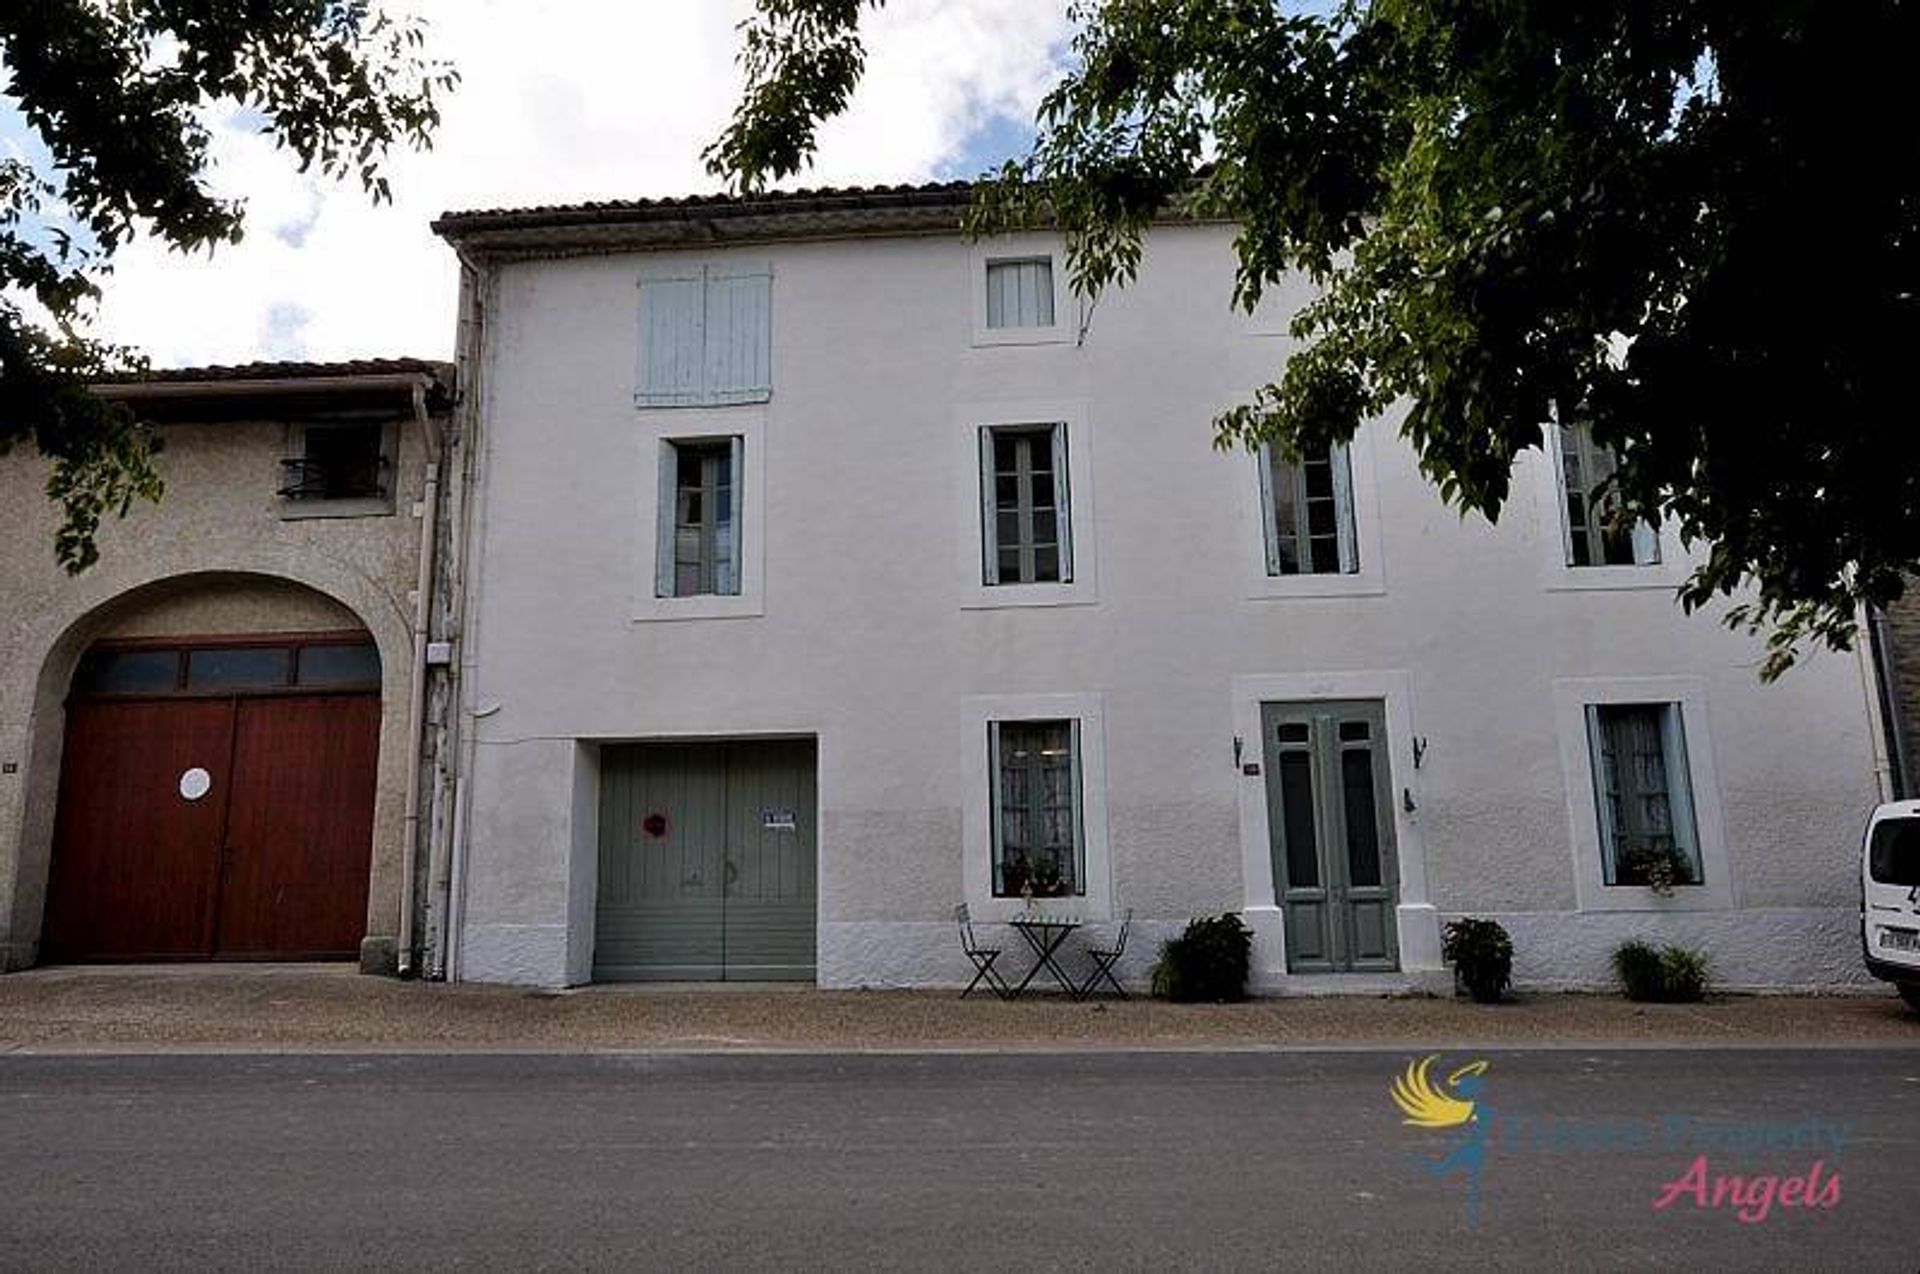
[{"x": 560, "y": 101}]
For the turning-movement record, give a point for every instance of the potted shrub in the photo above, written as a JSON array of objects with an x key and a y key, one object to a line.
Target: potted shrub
[
  {"x": 1207, "y": 963},
  {"x": 1481, "y": 954},
  {"x": 1670, "y": 974}
]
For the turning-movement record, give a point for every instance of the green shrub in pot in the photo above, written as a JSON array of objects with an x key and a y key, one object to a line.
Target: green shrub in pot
[
  {"x": 1481, "y": 954},
  {"x": 1206, "y": 964}
]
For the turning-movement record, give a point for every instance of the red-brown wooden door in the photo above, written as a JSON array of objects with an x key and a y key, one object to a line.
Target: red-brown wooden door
[
  {"x": 299, "y": 827},
  {"x": 133, "y": 860},
  {"x": 270, "y": 863}
]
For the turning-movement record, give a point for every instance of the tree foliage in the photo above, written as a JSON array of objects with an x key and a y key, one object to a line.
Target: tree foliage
[
  {"x": 1694, "y": 225},
  {"x": 120, "y": 92}
]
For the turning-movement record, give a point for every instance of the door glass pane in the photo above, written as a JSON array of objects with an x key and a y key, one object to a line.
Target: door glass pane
[
  {"x": 1363, "y": 835},
  {"x": 1296, "y": 806},
  {"x": 128, "y": 672},
  {"x": 238, "y": 668},
  {"x": 340, "y": 666}
]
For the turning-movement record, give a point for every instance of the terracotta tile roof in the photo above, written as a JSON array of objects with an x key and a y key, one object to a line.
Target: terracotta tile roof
[
  {"x": 642, "y": 223},
  {"x": 947, "y": 194},
  {"x": 440, "y": 371}
]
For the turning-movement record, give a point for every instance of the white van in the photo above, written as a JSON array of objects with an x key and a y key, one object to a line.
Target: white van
[{"x": 1890, "y": 897}]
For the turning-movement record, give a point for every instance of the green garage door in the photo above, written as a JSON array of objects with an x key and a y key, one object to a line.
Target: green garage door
[{"x": 707, "y": 855}]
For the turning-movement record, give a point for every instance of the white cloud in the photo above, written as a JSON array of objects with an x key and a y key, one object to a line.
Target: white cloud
[{"x": 566, "y": 101}]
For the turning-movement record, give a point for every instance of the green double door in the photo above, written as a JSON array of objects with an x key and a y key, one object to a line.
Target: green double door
[
  {"x": 707, "y": 862},
  {"x": 1330, "y": 814}
]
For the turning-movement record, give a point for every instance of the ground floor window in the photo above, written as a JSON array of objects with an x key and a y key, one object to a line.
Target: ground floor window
[
  {"x": 1644, "y": 797},
  {"x": 1038, "y": 843}
]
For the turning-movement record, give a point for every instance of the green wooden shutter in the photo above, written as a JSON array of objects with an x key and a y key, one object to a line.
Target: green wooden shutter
[
  {"x": 1062, "y": 502},
  {"x": 1075, "y": 794},
  {"x": 1348, "y": 545},
  {"x": 1646, "y": 544},
  {"x": 989, "y": 507},
  {"x": 1603, "y": 808},
  {"x": 728, "y": 566},
  {"x": 738, "y": 355},
  {"x": 1269, "y": 526},
  {"x": 1673, "y": 748},
  {"x": 664, "y": 521},
  {"x": 1572, "y": 480},
  {"x": 672, "y": 340},
  {"x": 994, "y": 798}
]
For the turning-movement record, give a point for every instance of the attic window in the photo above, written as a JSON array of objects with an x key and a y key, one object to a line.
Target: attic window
[{"x": 338, "y": 462}]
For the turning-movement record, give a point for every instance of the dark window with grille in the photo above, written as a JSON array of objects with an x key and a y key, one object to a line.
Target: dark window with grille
[{"x": 338, "y": 462}]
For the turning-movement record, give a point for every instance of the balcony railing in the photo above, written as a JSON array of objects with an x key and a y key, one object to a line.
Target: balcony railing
[{"x": 359, "y": 478}]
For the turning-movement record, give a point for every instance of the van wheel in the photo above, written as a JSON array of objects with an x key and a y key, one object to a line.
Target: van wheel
[{"x": 1910, "y": 992}]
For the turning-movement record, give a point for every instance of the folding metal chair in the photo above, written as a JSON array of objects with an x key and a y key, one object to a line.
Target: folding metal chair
[
  {"x": 1104, "y": 958},
  {"x": 982, "y": 957}
]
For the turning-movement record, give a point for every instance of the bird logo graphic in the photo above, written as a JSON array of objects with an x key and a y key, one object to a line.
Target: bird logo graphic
[{"x": 1426, "y": 1106}]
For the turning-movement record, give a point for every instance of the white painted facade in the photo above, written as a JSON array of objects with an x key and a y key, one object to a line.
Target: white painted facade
[{"x": 862, "y": 621}]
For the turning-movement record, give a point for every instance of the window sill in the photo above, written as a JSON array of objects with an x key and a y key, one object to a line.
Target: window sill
[
  {"x": 1266, "y": 588},
  {"x": 644, "y": 401},
  {"x": 706, "y": 606},
  {"x": 1641, "y": 898},
  {"x": 1585, "y": 579},
  {"x": 992, "y": 337},
  {"x": 1008, "y": 596},
  {"x": 310, "y": 510}
]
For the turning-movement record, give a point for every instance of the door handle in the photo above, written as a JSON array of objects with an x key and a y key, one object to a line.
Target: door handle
[{"x": 731, "y": 875}]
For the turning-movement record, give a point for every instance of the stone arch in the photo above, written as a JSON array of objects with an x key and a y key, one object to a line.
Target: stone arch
[{"x": 103, "y": 600}]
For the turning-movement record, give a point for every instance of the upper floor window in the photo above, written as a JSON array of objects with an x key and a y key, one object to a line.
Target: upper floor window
[
  {"x": 1641, "y": 786},
  {"x": 1025, "y": 527},
  {"x": 1307, "y": 512},
  {"x": 1592, "y": 528},
  {"x": 698, "y": 550},
  {"x": 1037, "y": 837},
  {"x": 338, "y": 462},
  {"x": 1020, "y": 293},
  {"x": 705, "y": 338}
]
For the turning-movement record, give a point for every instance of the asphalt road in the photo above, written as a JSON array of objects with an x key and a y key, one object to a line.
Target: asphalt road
[{"x": 1111, "y": 1161}]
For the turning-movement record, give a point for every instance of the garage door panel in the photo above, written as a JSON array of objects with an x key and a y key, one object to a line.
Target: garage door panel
[
  {"x": 706, "y": 862},
  {"x": 300, "y": 828},
  {"x": 134, "y": 859},
  {"x": 771, "y": 894},
  {"x": 663, "y": 828}
]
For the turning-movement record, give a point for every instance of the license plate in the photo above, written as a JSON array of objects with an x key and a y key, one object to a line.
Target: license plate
[{"x": 1900, "y": 939}]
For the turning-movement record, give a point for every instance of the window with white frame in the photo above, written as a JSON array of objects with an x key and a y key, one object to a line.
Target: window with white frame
[
  {"x": 1026, "y": 535},
  {"x": 698, "y": 545},
  {"x": 1592, "y": 528},
  {"x": 1644, "y": 795},
  {"x": 1307, "y": 512},
  {"x": 1038, "y": 842},
  {"x": 705, "y": 337},
  {"x": 1020, "y": 293}
]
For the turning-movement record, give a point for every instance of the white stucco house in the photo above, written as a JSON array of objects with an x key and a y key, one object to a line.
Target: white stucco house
[{"x": 825, "y": 570}]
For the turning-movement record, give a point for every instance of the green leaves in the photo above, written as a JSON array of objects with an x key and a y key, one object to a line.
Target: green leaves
[
  {"x": 117, "y": 92},
  {"x": 1695, "y": 225}
]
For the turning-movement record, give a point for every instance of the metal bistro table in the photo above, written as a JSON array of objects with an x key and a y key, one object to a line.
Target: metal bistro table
[{"x": 1044, "y": 934}]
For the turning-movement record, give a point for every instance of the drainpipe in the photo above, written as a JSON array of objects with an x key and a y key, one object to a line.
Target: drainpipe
[
  {"x": 1876, "y": 727},
  {"x": 417, "y": 699},
  {"x": 448, "y": 867}
]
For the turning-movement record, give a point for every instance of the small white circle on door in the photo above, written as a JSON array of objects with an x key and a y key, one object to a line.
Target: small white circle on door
[{"x": 195, "y": 783}]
